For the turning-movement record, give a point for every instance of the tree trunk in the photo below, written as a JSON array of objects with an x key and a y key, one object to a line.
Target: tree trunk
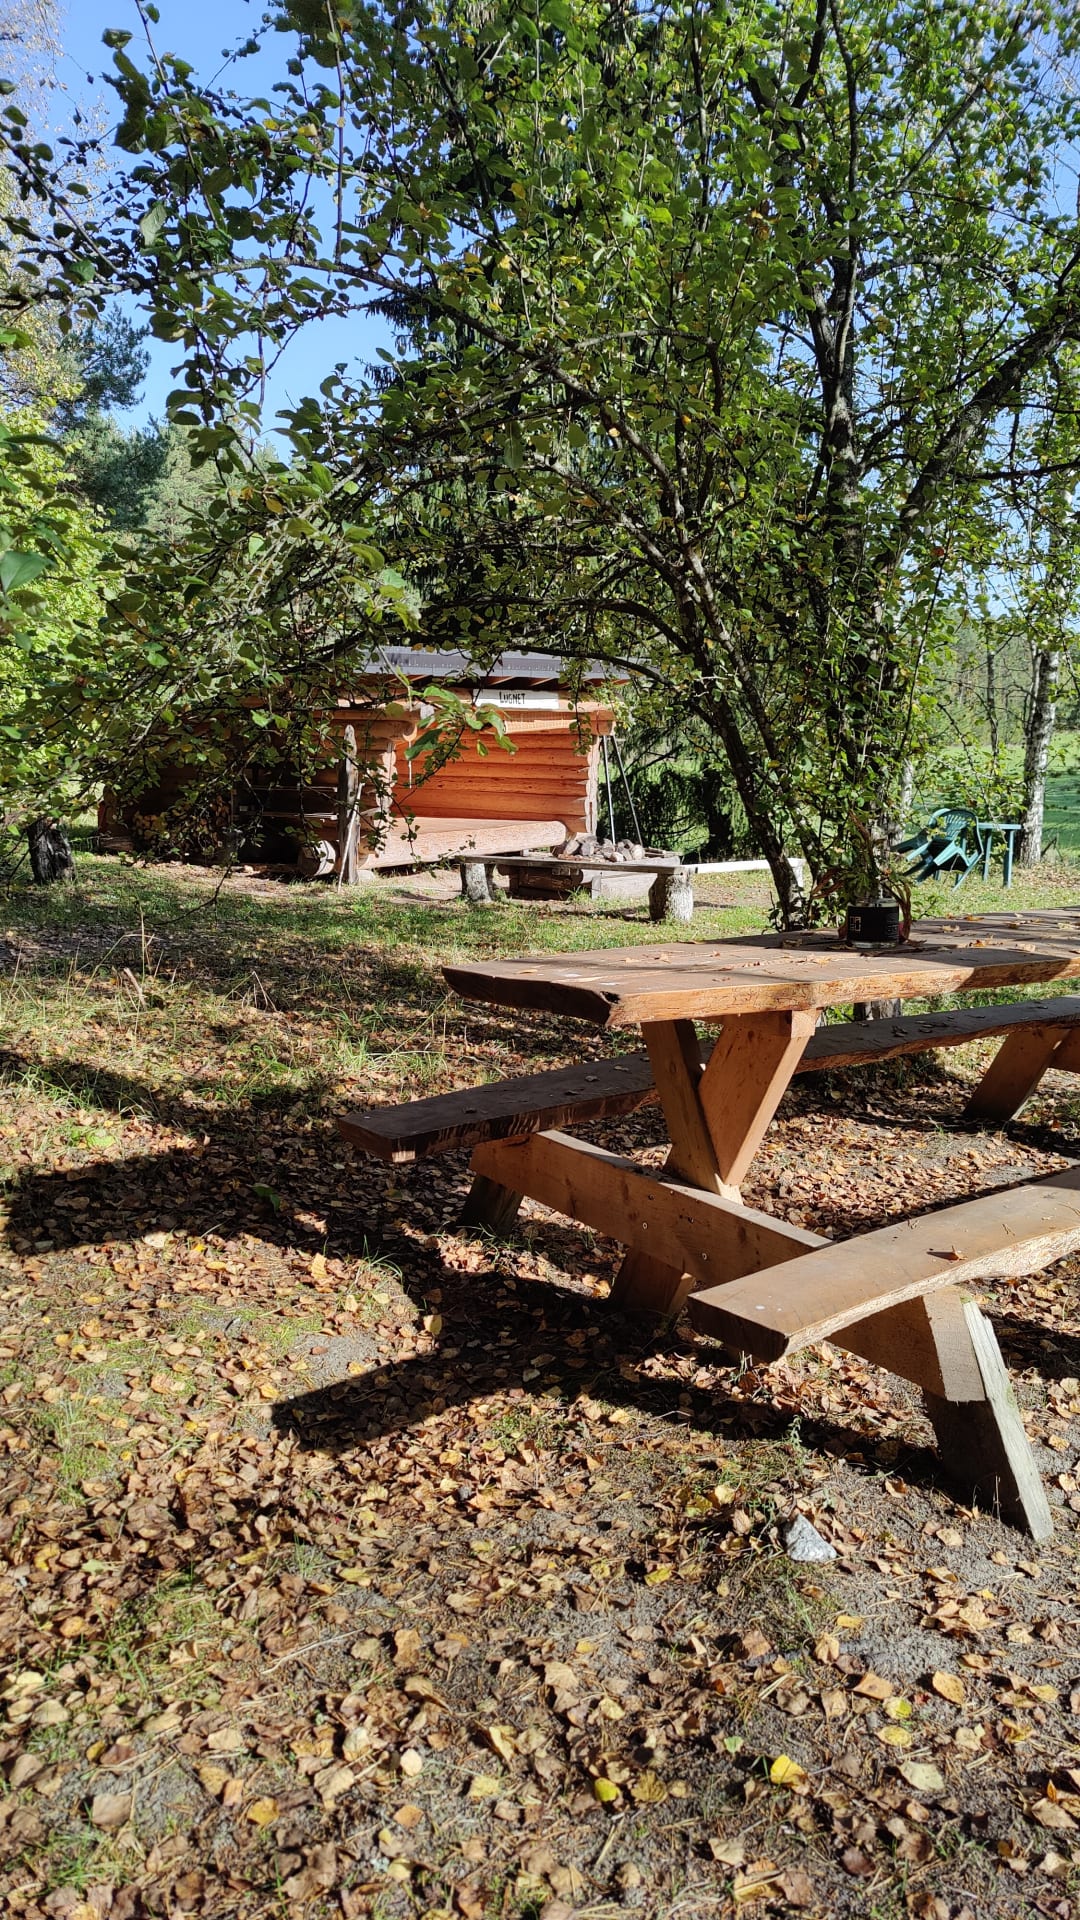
[
  {"x": 991, "y": 700},
  {"x": 876, "y": 1010},
  {"x": 756, "y": 797},
  {"x": 1038, "y": 732},
  {"x": 50, "y": 852},
  {"x": 348, "y": 800}
]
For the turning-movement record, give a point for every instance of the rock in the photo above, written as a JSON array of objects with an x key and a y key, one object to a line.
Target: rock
[{"x": 802, "y": 1541}]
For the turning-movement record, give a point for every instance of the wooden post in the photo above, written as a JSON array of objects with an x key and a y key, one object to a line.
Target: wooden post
[{"x": 348, "y": 819}]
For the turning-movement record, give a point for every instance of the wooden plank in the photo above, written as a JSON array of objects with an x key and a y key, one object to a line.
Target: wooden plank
[
  {"x": 605, "y": 1088},
  {"x": 749, "y": 1071},
  {"x": 649, "y": 1286},
  {"x": 539, "y": 864},
  {"x": 529, "y": 1103},
  {"x": 1013, "y": 1074},
  {"x": 1067, "y": 1057},
  {"x": 1016, "y": 1230},
  {"x": 490, "y": 1205},
  {"x": 454, "y": 838},
  {"x": 714, "y": 1237},
  {"x": 706, "y": 980},
  {"x": 923, "y": 1341},
  {"x": 675, "y": 1058},
  {"x": 984, "y": 1448},
  {"x": 863, "y": 1042}
]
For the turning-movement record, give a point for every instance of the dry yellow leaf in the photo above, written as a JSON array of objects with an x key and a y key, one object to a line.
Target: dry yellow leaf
[
  {"x": 412, "y": 1763},
  {"x": 658, "y": 1575},
  {"x": 895, "y": 1736},
  {"x": 503, "y": 1740},
  {"x": 950, "y": 1687},
  {"x": 1049, "y": 1814},
  {"x": 648, "y": 1789},
  {"x": 785, "y": 1772},
  {"x": 873, "y": 1687},
  {"x": 922, "y": 1776},
  {"x": 848, "y": 1622},
  {"x": 226, "y": 1740},
  {"x": 262, "y": 1813},
  {"x": 212, "y": 1778},
  {"x": 730, "y": 1853},
  {"x": 484, "y": 1786},
  {"x": 605, "y": 1790}
]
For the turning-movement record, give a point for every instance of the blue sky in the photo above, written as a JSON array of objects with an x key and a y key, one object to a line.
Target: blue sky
[{"x": 204, "y": 32}]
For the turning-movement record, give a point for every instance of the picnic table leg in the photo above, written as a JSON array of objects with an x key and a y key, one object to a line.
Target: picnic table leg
[
  {"x": 1010, "y": 842},
  {"x": 988, "y": 849},
  {"x": 489, "y": 1204},
  {"x": 949, "y": 1349},
  {"x": 1013, "y": 1074},
  {"x": 716, "y": 1118}
]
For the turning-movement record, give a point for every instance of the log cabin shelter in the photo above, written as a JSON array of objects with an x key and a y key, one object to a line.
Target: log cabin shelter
[{"x": 483, "y": 800}]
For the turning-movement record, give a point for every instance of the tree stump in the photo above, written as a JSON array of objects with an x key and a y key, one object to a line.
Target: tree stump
[
  {"x": 474, "y": 883},
  {"x": 671, "y": 896},
  {"x": 50, "y": 852}
]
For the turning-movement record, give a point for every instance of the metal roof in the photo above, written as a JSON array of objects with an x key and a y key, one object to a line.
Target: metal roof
[{"x": 414, "y": 663}]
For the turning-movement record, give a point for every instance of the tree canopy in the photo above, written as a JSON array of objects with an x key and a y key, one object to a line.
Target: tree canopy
[{"x": 716, "y": 328}]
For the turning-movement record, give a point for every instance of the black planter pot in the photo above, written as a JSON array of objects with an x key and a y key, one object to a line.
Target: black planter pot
[{"x": 873, "y": 926}]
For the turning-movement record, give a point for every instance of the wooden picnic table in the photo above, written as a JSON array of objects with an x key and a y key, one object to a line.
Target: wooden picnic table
[{"x": 892, "y": 1296}]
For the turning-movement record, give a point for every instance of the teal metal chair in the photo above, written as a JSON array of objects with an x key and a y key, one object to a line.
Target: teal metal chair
[{"x": 950, "y": 842}]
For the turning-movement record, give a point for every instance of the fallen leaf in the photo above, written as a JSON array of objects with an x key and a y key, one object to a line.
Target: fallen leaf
[
  {"x": 648, "y": 1789},
  {"x": 1048, "y": 1813},
  {"x": 950, "y": 1687},
  {"x": 922, "y": 1776},
  {"x": 110, "y": 1811},
  {"x": 502, "y": 1741},
  {"x": 262, "y": 1813},
  {"x": 226, "y": 1740},
  {"x": 786, "y": 1773},
  {"x": 873, "y": 1687},
  {"x": 212, "y": 1778},
  {"x": 730, "y": 1853}
]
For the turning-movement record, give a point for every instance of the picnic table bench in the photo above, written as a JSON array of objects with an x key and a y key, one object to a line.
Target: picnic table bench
[{"x": 758, "y": 1283}]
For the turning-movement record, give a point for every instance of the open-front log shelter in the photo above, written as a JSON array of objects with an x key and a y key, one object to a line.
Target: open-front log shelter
[{"x": 485, "y": 799}]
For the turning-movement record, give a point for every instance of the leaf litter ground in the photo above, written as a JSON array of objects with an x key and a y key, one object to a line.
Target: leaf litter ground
[{"x": 354, "y": 1566}]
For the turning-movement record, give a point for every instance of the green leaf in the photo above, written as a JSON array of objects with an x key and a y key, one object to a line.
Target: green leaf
[
  {"x": 18, "y": 569},
  {"x": 151, "y": 223}
]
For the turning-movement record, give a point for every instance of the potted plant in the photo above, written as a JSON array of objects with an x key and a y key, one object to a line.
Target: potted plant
[{"x": 872, "y": 891}]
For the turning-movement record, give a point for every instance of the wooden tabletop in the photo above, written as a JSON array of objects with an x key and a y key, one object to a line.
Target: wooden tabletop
[{"x": 706, "y": 979}]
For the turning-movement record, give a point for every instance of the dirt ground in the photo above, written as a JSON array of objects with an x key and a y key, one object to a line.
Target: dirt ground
[{"x": 353, "y": 1565}]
